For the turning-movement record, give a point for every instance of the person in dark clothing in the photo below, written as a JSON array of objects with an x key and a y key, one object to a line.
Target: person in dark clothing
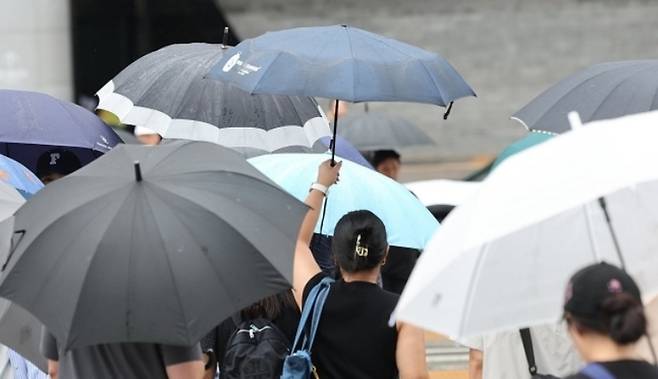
[
  {"x": 55, "y": 164},
  {"x": 354, "y": 339},
  {"x": 121, "y": 360},
  {"x": 281, "y": 309},
  {"x": 605, "y": 317},
  {"x": 400, "y": 263},
  {"x": 387, "y": 162}
]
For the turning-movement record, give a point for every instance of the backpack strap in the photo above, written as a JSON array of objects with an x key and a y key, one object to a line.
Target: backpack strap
[
  {"x": 526, "y": 338},
  {"x": 317, "y": 313},
  {"x": 307, "y": 309},
  {"x": 597, "y": 371}
]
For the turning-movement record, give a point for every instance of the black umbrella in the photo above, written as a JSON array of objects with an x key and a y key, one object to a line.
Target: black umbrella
[
  {"x": 156, "y": 251},
  {"x": 603, "y": 91},
  {"x": 166, "y": 91}
]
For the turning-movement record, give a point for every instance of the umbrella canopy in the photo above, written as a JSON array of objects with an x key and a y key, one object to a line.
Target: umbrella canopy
[
  {"x": 19, "y": 177},
  {"x": 502, "y": 259},
  {"x": 380, "y": 131},
  {"x": 602, "y": 91},
  {"x": 32, "y": 123},
  {"x": 408, "y": 222},
  {"x": 155, "y": 251},
  {"x": 340, "y": 62},
  {"x": 166, "y": 92}
]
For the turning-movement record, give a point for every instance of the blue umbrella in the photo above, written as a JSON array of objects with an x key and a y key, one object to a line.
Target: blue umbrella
[
  {"x": 32, "y": 124},
  {"x": 19, "y": 177},
  {"x": 343, "y": 63},
  {"x": 408, "y": 222}
]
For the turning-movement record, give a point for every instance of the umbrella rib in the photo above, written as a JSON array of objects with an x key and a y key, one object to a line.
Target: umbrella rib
[
  {"x": 218, "y": 275},
  {"x": 621, "y": 82},
  {"x": 169, "y": 266},
  {"x": 73, "y": 240},
  {"x": 438, "y": 88},
  {"x": 255, "y": 89},
  {"x": 349, "y": 41}
]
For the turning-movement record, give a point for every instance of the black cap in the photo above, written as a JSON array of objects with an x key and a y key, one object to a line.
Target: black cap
[
  {"x": 593, "y": 285},
  {"x": 58, "y": 161}
]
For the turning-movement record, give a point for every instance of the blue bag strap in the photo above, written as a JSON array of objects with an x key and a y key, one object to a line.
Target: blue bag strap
[
  {"x": 317, "y": 313},
  {"x": 597, "y": 371},
  {"x": 307, "y": 309}
]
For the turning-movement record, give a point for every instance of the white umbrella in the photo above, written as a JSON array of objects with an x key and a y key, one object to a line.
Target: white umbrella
[
  {"x": 502, "y": 259},
  {"x": 442, "y": 191}
]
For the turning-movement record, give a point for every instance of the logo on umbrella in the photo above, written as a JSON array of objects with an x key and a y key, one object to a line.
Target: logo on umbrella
[{"x": 231, "y": 62}]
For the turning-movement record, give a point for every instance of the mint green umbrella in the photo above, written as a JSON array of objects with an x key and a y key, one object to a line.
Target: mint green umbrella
[{"x": 531, "y": 139}]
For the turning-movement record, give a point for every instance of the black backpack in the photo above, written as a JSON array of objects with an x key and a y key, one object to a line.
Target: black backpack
[{"x": 256, "y": 350}]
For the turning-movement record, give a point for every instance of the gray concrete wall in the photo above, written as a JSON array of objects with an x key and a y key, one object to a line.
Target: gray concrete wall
[
  {"x": 508, "y": 50},
  {"x": 35, "y": 46}
]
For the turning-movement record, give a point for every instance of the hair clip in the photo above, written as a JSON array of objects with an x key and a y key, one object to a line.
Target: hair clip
[{"x": 361, "y": 251}]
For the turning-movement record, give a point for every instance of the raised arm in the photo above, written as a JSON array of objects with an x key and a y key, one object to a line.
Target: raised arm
[{"x": 305, "y": 266}]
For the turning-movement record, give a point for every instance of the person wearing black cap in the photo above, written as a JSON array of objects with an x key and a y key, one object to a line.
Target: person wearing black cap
[
  {"x": 55, "y": 164},
  {"x": 605, "y": 318}
]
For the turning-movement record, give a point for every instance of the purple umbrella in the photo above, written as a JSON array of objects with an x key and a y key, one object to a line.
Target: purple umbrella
[
  {"x": 345, "y": 150},
  {"x": 32, "y": 124}
]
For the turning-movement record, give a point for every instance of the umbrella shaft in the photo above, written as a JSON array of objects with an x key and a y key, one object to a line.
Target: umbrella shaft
[
  {"x": 333, "y": 140},
  {"x": 604, "y": 207}
]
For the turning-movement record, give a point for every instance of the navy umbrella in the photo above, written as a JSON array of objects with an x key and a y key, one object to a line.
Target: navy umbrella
[
  {"x": 603, "y": 91},
  {"x": 33, "y": 123},
  {"x": 343, "y": 63}
]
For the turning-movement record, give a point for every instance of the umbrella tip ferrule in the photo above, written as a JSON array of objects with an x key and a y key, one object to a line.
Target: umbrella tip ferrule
[
  {"x": 447, "y": 112},
  {"x": 138, "y": 172},
  {"x": 225, "y": 38}
]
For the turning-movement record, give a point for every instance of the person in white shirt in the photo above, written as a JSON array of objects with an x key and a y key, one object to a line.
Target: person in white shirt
[{"x": 501, "y": 355}]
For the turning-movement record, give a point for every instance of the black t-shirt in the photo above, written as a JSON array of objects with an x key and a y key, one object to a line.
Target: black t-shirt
[
  {"x": 626, "y": 369},
  {"x": 353, "y": 338}
]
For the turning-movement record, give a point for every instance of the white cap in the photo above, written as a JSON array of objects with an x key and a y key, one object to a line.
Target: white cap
[{"x": 142, "y": 131}]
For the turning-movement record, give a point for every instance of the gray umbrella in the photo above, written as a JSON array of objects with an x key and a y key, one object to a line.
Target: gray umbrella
[
  {"x": 166, "y": 91},
  {"x": 19, "y": 330},
  {"x": 156, "y": 251},
  {"x": 380, "y": 131},
  {"x": 602, "y": 91}
]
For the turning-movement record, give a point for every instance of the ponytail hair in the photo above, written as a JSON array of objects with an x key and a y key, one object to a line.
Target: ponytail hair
[
  {"x": 621, "y": 317},
  {"x": 359, "y": 241}
]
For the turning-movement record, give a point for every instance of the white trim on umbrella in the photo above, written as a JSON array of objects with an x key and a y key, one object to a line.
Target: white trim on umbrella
[{"x": 233, "y": 137}]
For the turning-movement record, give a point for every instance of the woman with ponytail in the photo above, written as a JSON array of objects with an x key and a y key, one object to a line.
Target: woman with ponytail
[
  {"x": 354, "y": 339},
  {"x": 605, "y": 317}
]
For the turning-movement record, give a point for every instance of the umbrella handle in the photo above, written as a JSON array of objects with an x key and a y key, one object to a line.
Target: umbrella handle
[{"x": 13, "y": 247}]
